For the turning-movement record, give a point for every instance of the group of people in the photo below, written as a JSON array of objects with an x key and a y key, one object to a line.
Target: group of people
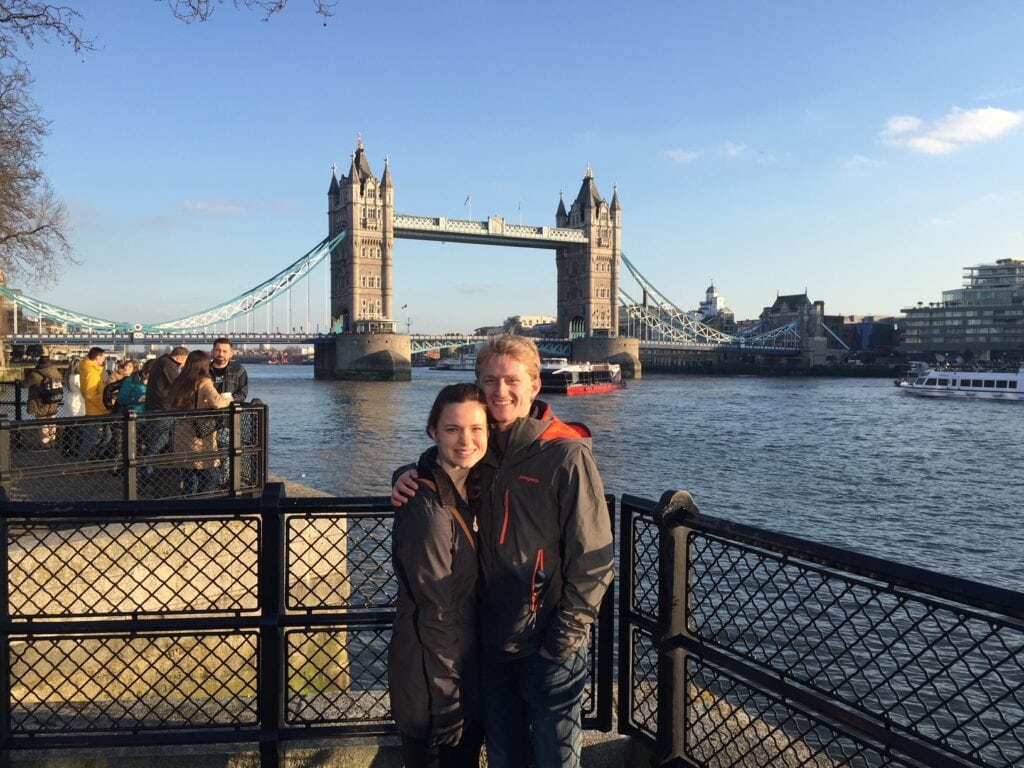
[
  {"x": 503, "y": 551},
  {"x": 177, "y": 381}
]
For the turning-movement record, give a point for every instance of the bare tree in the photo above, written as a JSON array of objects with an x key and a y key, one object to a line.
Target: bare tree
[
  {"x": 32, "y": 221},
  {"x": 201, "y": 10}
]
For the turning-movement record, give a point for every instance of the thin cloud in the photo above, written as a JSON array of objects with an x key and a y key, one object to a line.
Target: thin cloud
[
  {"x": 861, "y": 161},
  {"x": 957, "y": 129},
  {"x": 212, "y": 207},
  {"x": 731, "y": 149},
  {"x": 938, "y": 221},
  {"x": 681, "y": 156}
]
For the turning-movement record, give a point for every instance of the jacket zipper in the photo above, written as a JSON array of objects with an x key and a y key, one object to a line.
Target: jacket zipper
[
  {"x": 504, "y": 524},
  {"x": 537, "y": 580}
]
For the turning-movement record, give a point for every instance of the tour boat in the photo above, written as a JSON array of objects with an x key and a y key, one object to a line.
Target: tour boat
[
  {"x": 463, "y": 362},
  {"x": 559, "y": 376},
  {"x": 986, "y": 384}
]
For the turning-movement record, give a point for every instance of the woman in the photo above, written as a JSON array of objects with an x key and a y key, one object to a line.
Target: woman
[
  {"x": 193, "y": 390},
  {"x": 132, "y": 395},
  {"x": 432, "y": 666},
  {"x": 75, "y": 402}
]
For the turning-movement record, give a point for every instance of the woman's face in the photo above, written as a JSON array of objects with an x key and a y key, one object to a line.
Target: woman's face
[{"x": 461, "y": 435}]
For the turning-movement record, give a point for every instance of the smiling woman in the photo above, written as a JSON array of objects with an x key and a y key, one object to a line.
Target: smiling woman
[{"x": 432, "y": 662}]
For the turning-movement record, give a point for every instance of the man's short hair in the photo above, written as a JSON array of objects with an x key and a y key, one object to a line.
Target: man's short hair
[
  {"x": 222, "y": 340},
  {"x": 179, "y": 352},
  {"x": 95, "y": 352},
  {"x": 519, "y": 348}
]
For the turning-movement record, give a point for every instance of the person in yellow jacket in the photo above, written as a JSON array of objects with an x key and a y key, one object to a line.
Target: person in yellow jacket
[
  {"x": 92, "y": 372},
  {"x": 91, "y": 375}
]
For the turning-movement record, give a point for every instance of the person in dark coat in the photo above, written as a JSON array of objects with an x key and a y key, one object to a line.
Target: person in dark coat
[
  {"x": 37, "y": 405},
  {"x": 432, "y": 661}
]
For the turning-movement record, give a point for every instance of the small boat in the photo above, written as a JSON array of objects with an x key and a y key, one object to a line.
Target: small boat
[
  {"x": 463, "y": 362},
  {"x": 977, "y": 383},
  {"x": 559, "y": 376}
]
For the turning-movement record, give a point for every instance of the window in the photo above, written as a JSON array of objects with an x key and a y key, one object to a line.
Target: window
[
  {"x": 1001, "y": 384},
  {"x": 990, "y": 384}
]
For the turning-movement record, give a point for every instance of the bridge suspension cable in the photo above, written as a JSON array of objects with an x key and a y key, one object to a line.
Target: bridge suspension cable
[
  {"x": 667, "y": 320},
  {"x": 248, "y": 301},
  {"x": 254, "y": 297}
]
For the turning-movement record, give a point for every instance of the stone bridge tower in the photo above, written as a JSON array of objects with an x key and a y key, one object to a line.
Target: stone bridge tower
[
  {"x": 362, "y": 314},
  {"x": 361, "y": 264},
  {"x": 588, "y": 275}
]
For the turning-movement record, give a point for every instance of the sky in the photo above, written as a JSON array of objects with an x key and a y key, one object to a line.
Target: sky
[{"x": 862, "y": 151}]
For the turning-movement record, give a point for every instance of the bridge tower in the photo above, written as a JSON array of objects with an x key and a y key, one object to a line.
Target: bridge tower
[
  {"x": 588, "y": 280},
  {"x": 367, "y": 345}
]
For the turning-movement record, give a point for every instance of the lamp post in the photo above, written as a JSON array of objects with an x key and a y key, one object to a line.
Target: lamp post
[{"x": 408, "y": 320}]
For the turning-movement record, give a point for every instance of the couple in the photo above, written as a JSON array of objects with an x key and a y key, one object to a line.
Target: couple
[{"x": 503, "y": 552}]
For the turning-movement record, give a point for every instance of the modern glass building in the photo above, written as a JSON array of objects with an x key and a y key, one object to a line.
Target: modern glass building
[{"x": 982, "y": 320}]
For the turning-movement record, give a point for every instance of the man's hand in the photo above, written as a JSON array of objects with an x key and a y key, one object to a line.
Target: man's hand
[
  {"x": 404, "y": 488},
  {"x": 446, "y": 735}
]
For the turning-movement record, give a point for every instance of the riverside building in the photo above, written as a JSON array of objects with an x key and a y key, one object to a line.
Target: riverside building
[{"x": 983, "y": 320}]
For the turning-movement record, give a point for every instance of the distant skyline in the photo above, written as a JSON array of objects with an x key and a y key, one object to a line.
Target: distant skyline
[{"x": 864, "y": 151}]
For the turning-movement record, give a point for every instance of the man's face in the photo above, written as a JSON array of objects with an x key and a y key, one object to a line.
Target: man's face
[
  {"x": 221, "y": 355},
  {"x": 508, "y": 388}
]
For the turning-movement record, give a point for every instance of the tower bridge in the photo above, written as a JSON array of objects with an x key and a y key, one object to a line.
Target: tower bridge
[{"x": 596, "y": 318}]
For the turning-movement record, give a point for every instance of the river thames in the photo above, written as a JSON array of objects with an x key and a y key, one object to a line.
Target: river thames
[{"x": 849, "y": 462}]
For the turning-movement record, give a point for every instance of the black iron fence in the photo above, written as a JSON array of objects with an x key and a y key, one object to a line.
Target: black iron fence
[
  {"x": 742, "y": 647},
  {"x": 264, "y": 620},
  {"x": 129, "y": 456}
]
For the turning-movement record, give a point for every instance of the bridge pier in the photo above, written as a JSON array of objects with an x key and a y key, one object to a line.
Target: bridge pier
[
  {"x": 604, "y": 349},
  {"x": 364, "y": 357}
]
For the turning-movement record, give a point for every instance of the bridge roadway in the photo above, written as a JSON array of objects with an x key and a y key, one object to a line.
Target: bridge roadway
[{"x": 419, "y": 342}]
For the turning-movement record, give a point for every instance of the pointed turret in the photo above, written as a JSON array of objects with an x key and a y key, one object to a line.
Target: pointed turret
[
  {"x": 588, "y": 197},
  {"x": 385, "y": 180},
  {"x": 333, "y": 189},
  {"x": 615, "y": 199},
  {"x": 561, "y": 217}
]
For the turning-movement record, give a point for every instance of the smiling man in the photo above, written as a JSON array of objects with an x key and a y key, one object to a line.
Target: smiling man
[{"x": 546, "y": 560}]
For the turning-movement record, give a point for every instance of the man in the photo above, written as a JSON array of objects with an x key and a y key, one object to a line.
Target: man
[
  {"x": 163, "y": 373},
  {"x": 91, "y": 376},
  {"x": 228, "y": 376},
  {"x": 155, "y": 430},
  {"x": 546, "y": 560}
]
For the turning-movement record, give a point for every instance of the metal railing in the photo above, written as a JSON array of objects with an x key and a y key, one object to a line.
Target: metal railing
[
  {"x": 743, "y": 647},
  {"x": 130, "y": 456},
  {"x": 233, "y": 620}
]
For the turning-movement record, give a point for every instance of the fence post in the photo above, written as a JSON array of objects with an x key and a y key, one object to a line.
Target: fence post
[
  {"x": 234, "y": 458},
  {"x": 673, "y": 608},
  {"x": 5, "y": 457},
  {"x": 270, "y": 704},
  {"x": 129, "y": 448},
  {"x": 17, "y": 400},
  {"x": 5, "y": 634}
]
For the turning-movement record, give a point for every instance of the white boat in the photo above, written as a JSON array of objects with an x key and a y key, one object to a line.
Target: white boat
[
  {"x": 977, "y": 383},
  {"x": 463, "y": 362},
  {"x": 559, "y": 376}
]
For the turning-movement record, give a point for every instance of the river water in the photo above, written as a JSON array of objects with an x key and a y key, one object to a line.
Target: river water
[{"x": 849, "y": 462}]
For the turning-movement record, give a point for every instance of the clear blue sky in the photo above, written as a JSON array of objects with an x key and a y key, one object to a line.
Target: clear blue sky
[{"x": 865, "y": 151}]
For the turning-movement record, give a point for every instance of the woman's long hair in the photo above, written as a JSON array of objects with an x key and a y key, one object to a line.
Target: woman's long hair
[
  {"x": 182, "y": 394},
  {"x": 71, "y": 370}
]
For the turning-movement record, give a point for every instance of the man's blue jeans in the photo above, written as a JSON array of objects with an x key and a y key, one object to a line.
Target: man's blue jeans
[{"x": 534, "y": 701}]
